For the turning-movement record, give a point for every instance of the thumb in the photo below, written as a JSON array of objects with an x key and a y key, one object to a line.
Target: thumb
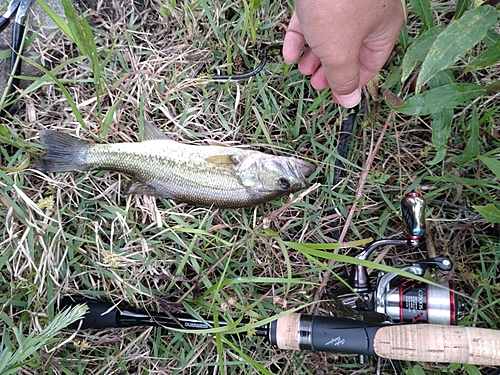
[{"x": 342, "y": 75}]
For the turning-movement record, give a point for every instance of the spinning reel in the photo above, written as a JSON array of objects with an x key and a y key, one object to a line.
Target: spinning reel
[{"x": 396, "y": 299}]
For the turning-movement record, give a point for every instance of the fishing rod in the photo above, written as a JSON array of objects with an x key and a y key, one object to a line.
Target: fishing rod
[
  {"x": 296, "y": 331},
  {"x": 394, "y": 317}
]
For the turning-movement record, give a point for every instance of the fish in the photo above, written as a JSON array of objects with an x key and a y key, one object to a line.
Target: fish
[{"x": 215, "y": 175}]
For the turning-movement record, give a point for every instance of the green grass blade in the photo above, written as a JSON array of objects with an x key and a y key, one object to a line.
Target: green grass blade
[
  {"x": 59, "y": 21},
  {"x": 462, "y": 7},
  {"x": 471, "y": 151},
  {"x": 310, "y": 250},
  {"x": 28, "y": 346},
  {"x": 76, "y": 29},
  {"x": 208, "y": 12},
  {"x": 66, "y": 93}
]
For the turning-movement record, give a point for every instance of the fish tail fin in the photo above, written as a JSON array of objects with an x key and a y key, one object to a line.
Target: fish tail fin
[{"x": 64, "y": 152}]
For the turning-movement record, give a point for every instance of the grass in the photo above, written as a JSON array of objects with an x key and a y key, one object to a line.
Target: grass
[{"x": 77, "y": 233}]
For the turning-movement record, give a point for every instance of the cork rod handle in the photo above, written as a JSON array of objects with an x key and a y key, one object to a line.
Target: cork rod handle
[{"x": 436, "y": 343}]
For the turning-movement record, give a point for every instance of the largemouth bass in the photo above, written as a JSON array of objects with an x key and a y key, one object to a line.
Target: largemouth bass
[{"x": 215, "y": 175}]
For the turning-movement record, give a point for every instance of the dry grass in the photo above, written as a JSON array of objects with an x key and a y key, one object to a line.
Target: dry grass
[{"x": 89, "y": 239}]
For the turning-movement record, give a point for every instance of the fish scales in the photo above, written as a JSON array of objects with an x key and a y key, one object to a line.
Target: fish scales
[
  {"x": 174, "y": 169},
  {"x": 219, "y": 176}
]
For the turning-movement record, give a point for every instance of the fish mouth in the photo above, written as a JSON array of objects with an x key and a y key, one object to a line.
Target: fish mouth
[
  {"x": 305, "y": 168},
  {"x": 300, "y": 185}
]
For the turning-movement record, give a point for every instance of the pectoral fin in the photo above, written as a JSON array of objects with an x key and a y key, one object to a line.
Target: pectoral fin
[{"x": 222, "y": 159}]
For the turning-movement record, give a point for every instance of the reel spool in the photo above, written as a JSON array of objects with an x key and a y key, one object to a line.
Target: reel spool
[{"x": 407, "y": 300}]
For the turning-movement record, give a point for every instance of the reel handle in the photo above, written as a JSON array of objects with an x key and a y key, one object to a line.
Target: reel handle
[{"x": 413, "y": 209}]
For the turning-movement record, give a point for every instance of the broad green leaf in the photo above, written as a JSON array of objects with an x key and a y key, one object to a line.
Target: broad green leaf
[
  {"x": 472, "y": 369},
  {"x": 5, "y": 54},
  {"x": 422, "y": 8},
  {"x": 458, "y": 38},
  {"x": 440, "y": 154},
  {"x": 462, "y": 6},
  {"x": 487, "y": 58},
  {"x": 454, "y": 368},
  {"x": 492, "y": 164},
  {"x": 419, "y": 49},
  {"x": 489, "y": 212},
  {"x": 440, "y": 98},
  {"x": 441, "y": 129},
  {"x": 472, "y": 149}
]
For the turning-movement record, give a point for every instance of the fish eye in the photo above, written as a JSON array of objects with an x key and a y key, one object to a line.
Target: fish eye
[{"x": 283, "y": 184}]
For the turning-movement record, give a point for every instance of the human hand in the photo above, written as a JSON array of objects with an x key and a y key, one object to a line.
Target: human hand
[{"x": 349, "y": 42}]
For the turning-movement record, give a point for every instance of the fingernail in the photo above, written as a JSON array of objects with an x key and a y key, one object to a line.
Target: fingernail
[{"x": 350, "y": 100}]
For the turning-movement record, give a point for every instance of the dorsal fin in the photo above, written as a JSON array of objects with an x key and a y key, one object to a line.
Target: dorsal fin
[
  {"x": 211, "y": 142},
  {"x": 151, "y": 132}
]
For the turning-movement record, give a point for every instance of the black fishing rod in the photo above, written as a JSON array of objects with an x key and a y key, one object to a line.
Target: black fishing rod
[
  {"x": 105, "y": 314},
  {"x": 316, "y": 333},
  {"x": 295, "y": 331}
]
